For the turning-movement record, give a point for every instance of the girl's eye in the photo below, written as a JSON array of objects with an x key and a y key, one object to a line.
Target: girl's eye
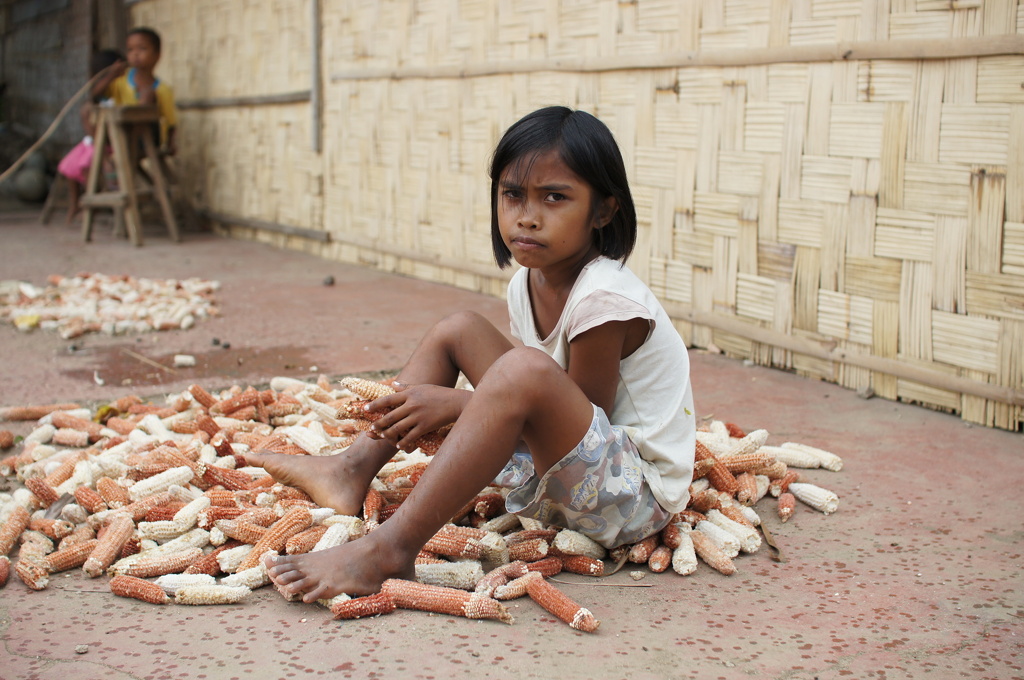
[
  {"x": 511, "y": 194},
  {"x": 553, "y": 196}
]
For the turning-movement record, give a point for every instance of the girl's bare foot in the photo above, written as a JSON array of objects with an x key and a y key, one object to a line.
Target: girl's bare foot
[
  {"x": 356, "y": 568},
  {"x": 329, "y": 480}
]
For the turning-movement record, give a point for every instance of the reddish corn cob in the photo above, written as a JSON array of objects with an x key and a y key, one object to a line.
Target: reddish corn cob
[
  {"x": 702, "y": 467},
  {"x": 264, "y": 517},
  {"x": 229, "y": 479},
  {"x": 781, "y": 486},
  {"x": 11, "y": 529},
  {"x": 250, "y": 397},
  {"x": 528, "y": 551},
  {"x": 660, "y": 559},
  {"x": 64, "y": 471},
  {"x": 454, "y": 545},
  {"x": 549, "y": 566},
  {"x": 163, "y": 513},
  {"x": 556, "y": 602},
  {"x": 735, "y": 431},
  {"x": 787, "y": 504},
  {"x": 90, "y": 500},
  {"x": 112, "y": 493},
  {"x": 81, "y": 534},
  {"x": 208, "y": 518},
  {"x": 158, "y": 565},
  {"x": 45, "y": 493},
  {"x": 581, "y": 564},
  {"x": 61, "y": 419},
  {"x": 204, "y": 398},
  {"x": 208, "y": 564},
  {"x": 304, "y": 541},
  {"x": 70, "y": 557},
  {"x": 641, "y": 551},
  {"x": 711, "y": 553},
  {"x": 131, "y": 547},
  {"x": 371, "y": 605},
  {"x": 746, "y": 492},
  {"x": 69, "y": 437},
  {"x": 441, "y": 600},
  {"x": 5, "y": 569},
  {"x": 718, "y": 475},
  {"x": 500, "y": 576},
  {"x": 736, "y": 515},
  {"x": 55, "y": 529},
  {"x": 110, "y": 543},
  {"x": 749, "y": 462},
  {"x": 139, "y": 589},
  {"x": 32, "y": 574},
  {"x": 691, "y": 517},
  {"x": 241, "y": 530},
  {"x": 123, "y": 426},
  {"x": 221, "y": 498},
  {"x": 424, "y": 557},
  {"x": 33, "y": 412},
  {"x": 530, "y": 534},
  {"x": 294, "y": 521},
  {"x": 670, "y": 536},
  {"x": 6, "y": 439},
  {"x": 146, "y": 409}
]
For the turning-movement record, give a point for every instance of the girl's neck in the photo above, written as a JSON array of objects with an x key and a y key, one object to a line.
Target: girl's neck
[{"x": 562, "y": 277}]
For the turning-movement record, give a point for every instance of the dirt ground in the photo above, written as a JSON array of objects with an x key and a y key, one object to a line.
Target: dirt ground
[{"x": 917, "y": 575}]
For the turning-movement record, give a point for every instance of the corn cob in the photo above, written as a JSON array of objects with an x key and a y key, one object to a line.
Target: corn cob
[
  {"x": 294, "y": 521},
  {"x": 454, "y": 544},
  {"x": 132, "y": 546},
  {"x": 253, "y": 578},
  {"x": 357, "y": 608},
  {"x": 170, "y": 583},
  {"x": 33, "y": 412},
  {"x": 736, "y": 514},
  {"x": 118, "y": 531},
  {"x": 461, "y": 575},
  {"x": 231, "y": 559},
  {"x": 149, "y": 565},
  {"x": 216, "y": 594},
  {"x": 424, "y": 557},
  {"x": 574, "y": 543},
  {"x": 500, "y": 576},
  {"x": 34, "y": 546},
  {"x": 229, "y": 479},
  {"x": 137, "y": 588},
  {"x": 69, "y": 437},
  {"x": 660, "y": 559},
  {"x": 718, "y": 475},
  {"x": 786, "y": 506},
  {"x": 684, "y": 559},
  {"x": 670, "y": 536},
  {"x": 70, "y": 557},
  {"x": 5, "y": 569},
  {"x": 338, "y": 533},
  {"x": 749, "y": 462},
  {"x": 305, "y": 541},
  {"x": 581, "y": 564},
  {"x": 828, "y": 460},
  {"x": 160, "y": 482},
  {"x": 641, "y": 551},
  {"x": 549, "y": 566},
  {"x": 531, "y": 534},
  {"x": 818, "y": 498},
  {"x": 514, "y": 588},
  {"x": 712, "y": 555},
  {"x": 440, "y": 600},
  {"x": 749, "y": 538},
  {"x": 82, "y": 533},
  {"x": 501, "y": 523},
  {"x": 202, "y": 397},
  {"x": 55, "y": 529},
  {"x": 66, "y": 469},
  {"x": 44, "y": 493},
  {"x": 746, "y": 492},
  {"x": 32, "y": 573},
  {"x": 89, "y": 499},
  {"x": 367, "y": 389},
  {"x": 208, "y": 564},
  {"x": 42, "y": 434},
  {"x": 726, "y": 542},
  {"x": 734, "y": 430},
  {"x": 6, "y": 439},
  {"x": 748, "y": 443},
  {"x": 558, "y": 604},
  {"x": 528, "y": 551},
  {"x": 221, "y": 498},
  {"x": 781, "y": 486},
  {"x": 112, "y": 493}
]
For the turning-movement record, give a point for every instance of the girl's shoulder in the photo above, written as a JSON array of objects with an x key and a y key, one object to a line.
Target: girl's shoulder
[{"x": 607, "y": 274}]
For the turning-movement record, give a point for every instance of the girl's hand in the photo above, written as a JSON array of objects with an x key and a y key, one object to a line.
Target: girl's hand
[{"x": 417, "y": 410}]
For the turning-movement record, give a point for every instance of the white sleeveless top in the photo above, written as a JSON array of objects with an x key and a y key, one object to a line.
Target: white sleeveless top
[{"x": 653, "y": 401}]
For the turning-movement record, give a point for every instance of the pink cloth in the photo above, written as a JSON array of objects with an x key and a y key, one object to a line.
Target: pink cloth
[{"x": 75, "y": 165}]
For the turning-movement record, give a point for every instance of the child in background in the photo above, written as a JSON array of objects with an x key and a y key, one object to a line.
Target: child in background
[
  {"x": 140, "y": 86},
  {"x": 590, "y": 424},
  {"x": 75, "y": 165}
]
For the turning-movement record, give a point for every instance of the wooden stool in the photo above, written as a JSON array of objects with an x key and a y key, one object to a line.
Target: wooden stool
[{"x": 125, "y": 128}]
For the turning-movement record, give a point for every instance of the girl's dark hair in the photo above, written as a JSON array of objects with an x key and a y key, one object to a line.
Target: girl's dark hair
[
  {"x": 151, "y": 35},
  {"x": 102, "y": 60},
  {"x": 587, "y": 147}
]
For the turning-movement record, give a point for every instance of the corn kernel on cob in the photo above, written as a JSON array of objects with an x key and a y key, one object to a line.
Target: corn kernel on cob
[
  {"x": 820, "y": 499},
  {"x": 216, "y": 594}
]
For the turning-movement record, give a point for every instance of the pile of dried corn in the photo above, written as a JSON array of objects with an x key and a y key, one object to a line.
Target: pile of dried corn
[
  {"x": 141, "y": 491},
  {"x": 114, "y": 305}
]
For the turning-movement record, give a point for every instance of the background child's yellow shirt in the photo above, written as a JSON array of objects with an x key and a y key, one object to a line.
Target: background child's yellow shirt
[{"x": 123, "y": 92}]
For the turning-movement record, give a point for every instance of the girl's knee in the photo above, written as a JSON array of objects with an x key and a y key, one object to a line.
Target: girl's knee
[
  {"x": 461, "y": 322},
  {"x": 525, "y": 366}
]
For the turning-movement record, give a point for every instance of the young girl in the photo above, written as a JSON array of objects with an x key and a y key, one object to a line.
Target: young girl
[{"x": 590, "y": 423}]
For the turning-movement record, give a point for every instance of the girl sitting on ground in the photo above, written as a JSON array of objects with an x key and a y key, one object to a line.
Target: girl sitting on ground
[{"x": 590, "y": 424}]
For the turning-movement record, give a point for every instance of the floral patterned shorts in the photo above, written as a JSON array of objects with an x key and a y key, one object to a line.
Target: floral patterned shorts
[{"x": 598, "y": 488}]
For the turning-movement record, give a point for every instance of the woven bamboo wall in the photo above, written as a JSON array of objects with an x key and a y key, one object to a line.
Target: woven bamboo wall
[{"x": 840, "y": 212}]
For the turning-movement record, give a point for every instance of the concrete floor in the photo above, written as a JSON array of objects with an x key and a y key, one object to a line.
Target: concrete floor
[{"x": 917, "y": 575}]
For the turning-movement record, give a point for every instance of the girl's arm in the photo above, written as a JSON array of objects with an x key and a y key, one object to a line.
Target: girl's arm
[{"x": 594, "y": 357}]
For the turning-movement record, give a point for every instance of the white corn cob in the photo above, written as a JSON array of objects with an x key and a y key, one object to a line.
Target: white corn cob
[
  {"x": 162, "y": 531},
  {"x": 829, "y": 460},
  {"x": 322, "y": 410},
  {"x": 763, "y": 483},
  {"x": 494, "y": 548},
  {"x": 684, "y": 558},
  {"x": 717, "y": 444},
  {"x": 232, "y": 557},
  {"x": 749, "y": 444},
  {"x": 153, "y": 425},
  {"x": 160, "y": 482},
  {"x": 42, "y": 452},
  {"x": 282, "y": 383},
  {"x": 699, "y": 485},
  {"x": 750, "y": 539},
  {"x": 74, "y": 513},
  {"x": 502, "y": 523},
  {"x": 330, "y": 602},
  {"x": 719, "y": 428},
  {"x": 218, "y": 594},
  {"x": 367, "y": 389},
  {"x": 794, "y": 457},
  {"x": 41, "y": 435},
  {"x": 320, "y": 515},
  {"x": 171, "y": 582},
  {"x": 84, "y": 475},
  {"x": 574, "y": 543},
  {"x": 728, "y": 543},
  {"x": 253, "y": 578},
  {"x": 462, "y": 575},
  {"x": 529, "y": 523},
  {"x": 818, "y": 498},
  {"x": 217, "y": 537}
]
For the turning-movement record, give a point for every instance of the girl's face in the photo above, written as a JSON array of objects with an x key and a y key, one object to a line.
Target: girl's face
[
  {"x": 547, "y": 218},
  {"x": 141, "y": 53}
]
